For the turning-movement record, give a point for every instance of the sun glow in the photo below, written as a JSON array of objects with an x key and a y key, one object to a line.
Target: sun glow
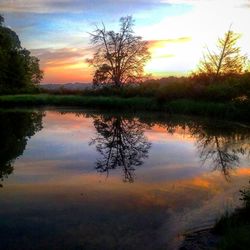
[
  {"x": 178, "y": 31},
  {"x": 207, "y": 21}
]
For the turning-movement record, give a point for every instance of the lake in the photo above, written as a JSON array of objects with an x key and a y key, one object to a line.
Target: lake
[{"x": 81, "y": 179}]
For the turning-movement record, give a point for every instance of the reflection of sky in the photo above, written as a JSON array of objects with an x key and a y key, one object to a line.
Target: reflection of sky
[
  {"x": 62, "y": 147},
  {"x": 55, "y": 178}
]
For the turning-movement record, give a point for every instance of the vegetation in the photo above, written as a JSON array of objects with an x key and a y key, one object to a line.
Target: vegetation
[
  {"x": 228, "y": 89},
  {"x": 19, "y": 70},
  {"x": 236, "y": 110},
  {"x": 235, "y": 228},
  {"x": 120, "y": 57}
]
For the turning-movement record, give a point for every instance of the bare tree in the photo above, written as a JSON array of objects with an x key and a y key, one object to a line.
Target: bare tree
[
  {"x": 120, "y": 57},
  {"x": 226, "y": 60}
]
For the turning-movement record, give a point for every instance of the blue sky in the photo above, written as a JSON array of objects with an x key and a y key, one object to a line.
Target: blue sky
[{"x": 57, "y": 30}]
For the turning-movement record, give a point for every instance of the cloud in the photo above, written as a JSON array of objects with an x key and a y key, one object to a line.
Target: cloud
[
  {"x": 61, "y": 57},
  {"x": 163, "y": 42},
  {"x": 77, "y": 6}
]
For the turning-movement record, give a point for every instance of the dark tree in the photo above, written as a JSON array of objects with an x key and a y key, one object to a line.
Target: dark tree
[
  {"x": 121, "y": 143},
  {"x": 15, "y": 130},
  {"x": 18, "y": 68},
  {"x": 1, "y": 20},
  {"x": 120, "y": 57}
]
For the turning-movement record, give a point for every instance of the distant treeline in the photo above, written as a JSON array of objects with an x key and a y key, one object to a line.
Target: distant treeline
[
  {"x": 230, "y": 88},
  {"x": 19, "y": 70}
]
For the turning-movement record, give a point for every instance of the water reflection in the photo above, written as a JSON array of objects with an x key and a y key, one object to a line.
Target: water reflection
[
  {"x": 219, "y": 145},
  {"x": 15, "y": 130},
  {"x": 121, "y": 143},
  {"x": 57, "y": 177}
]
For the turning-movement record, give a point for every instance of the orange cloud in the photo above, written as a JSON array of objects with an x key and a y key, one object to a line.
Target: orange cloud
[
  {"x": 69, "y": 64},
  {"x": 64, "y": 64},
  {"x": 162, "y": 43}
]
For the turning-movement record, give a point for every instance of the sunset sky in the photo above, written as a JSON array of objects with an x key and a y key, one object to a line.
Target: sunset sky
[{"x": 56, "y": 31}]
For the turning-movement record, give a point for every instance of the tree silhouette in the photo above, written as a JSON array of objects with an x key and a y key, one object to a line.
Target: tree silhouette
[
  {"x": 121, "y": 143},
  {"x": 15, "y": 130},
  {"x": 226, "y": 60},
  {"x": 120, "y": 57},
  {"x": 18, "y": 69}
]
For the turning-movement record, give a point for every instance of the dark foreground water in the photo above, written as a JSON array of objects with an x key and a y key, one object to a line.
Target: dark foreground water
[{"x": 73, "y": 179}]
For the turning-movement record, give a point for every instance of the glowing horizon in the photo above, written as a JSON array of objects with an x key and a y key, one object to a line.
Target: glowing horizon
[{"x": 177, "y": 31}]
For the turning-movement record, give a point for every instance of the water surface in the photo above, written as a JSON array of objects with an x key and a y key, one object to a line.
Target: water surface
[{"x": 75, "y": 179}]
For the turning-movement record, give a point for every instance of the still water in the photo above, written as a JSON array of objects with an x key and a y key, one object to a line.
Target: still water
[{"x": 77, "y": 179}]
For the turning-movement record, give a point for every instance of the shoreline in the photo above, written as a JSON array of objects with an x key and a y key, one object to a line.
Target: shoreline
[{"x": 234, "y": 111}]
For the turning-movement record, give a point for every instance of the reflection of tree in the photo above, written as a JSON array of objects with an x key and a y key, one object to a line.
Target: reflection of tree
[
  {"x": 218, "y": 146},
  {"x": 15, "y": 129},
  {"x": 222, "y": 152},
  {"x": 121, "y": 143}
]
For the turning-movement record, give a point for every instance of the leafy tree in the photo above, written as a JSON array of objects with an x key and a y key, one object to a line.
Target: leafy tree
[
  {"x": 18, "y": 68},
  {"x": 226, "y": 60},
  {"x": 120, "y": 57}
]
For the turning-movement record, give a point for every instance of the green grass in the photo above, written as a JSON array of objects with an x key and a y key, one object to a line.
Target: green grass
[
  {"x": 140, "y": 103},
  {"x": 228, "y": 110}
]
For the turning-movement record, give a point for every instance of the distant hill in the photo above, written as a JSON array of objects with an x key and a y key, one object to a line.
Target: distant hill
[{"x": 67, "y": 86}]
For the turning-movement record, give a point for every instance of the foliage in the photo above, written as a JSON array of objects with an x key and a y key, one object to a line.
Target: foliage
[
  {"x": 120, "y": 56},
  {"x": 227, "y": 60},
  {"x": 18, "y": 68},
  {"x": 229, "y": 89}
]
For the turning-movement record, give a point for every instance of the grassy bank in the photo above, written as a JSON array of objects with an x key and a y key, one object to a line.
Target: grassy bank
[
  {"x": 234, "y": 229},
  {"x": 223, "y": 110},
  {"x": 231, "y": 232}
]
